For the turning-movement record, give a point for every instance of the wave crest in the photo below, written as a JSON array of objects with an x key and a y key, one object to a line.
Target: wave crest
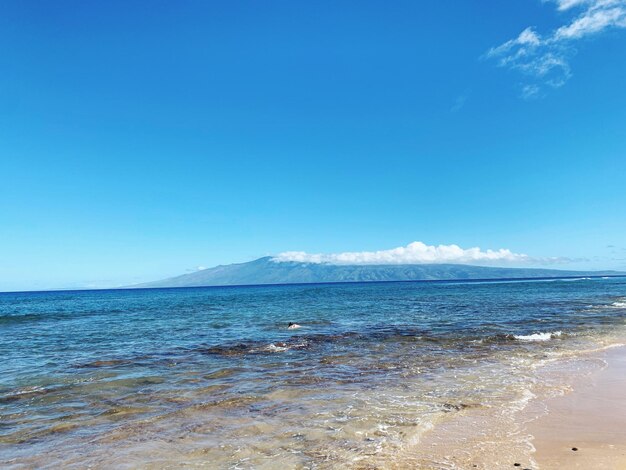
[{"x": 539, "y": 336}]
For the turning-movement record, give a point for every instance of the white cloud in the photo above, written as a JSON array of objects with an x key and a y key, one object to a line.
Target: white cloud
[
  {"x": 530, "y": 91},
  {"x": 417, "y": 253},
  {"x": 545, "y": 59},
  {"x": 459, "y": 103},
  {"x": 595, "y": 19},
  {"x": 197, "y": 268},
  {"x": 563, "y": 5}
]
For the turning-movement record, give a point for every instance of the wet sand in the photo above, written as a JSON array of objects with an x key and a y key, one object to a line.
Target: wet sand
[{"x": 591, "y": 418}]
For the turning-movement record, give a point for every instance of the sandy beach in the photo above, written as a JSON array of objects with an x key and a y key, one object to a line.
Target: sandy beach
[{"x": 591, "y": 419}]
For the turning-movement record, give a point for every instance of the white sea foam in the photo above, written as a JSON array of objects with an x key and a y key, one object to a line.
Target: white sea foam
[
  {"x": 619, "y": 303},
  {"x": 33, "y": 390},
  {"x": 523, "y": 400},
  {"x": 539, "y": 336},
  {"x": 275, "y": 348}
]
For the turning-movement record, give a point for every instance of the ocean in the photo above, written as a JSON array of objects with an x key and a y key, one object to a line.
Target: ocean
[{"x": 379, "y": 375}]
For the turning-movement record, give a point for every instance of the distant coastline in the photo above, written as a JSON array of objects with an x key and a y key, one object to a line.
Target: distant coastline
[
  {"x": 267, "y": 271},
  {"x": 417, "y": 281},
  {"x": 147, "y": 286}
]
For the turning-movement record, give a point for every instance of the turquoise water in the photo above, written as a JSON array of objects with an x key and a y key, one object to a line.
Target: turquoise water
[{"x": 213, "y": 375}]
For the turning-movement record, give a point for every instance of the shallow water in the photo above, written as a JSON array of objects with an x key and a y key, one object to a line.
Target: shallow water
[{"x": 379, "y": 375}]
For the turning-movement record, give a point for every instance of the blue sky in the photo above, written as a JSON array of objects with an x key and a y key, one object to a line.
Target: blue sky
[{"x": 139, "y": 140}]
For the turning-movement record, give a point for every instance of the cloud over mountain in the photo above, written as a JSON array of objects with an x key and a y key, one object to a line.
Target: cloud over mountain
[{"x": 416, "y": 253}]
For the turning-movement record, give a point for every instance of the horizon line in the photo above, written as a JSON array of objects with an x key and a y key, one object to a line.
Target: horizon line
[{"x": 581, "y": 277}]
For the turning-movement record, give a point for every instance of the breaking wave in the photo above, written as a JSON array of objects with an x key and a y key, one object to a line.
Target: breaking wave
[{"x": 538, "y": 336}]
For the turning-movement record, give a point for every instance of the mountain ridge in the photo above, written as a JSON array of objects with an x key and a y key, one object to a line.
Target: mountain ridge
[{"x": 267, "y": 271}]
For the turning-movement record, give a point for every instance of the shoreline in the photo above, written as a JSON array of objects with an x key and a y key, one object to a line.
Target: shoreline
[
  {"x": 577, "y": 400},
  {"x": 387, "y": 377},
  {"x": 588, "y": 415},
  {"x": 591, "y": 418}
]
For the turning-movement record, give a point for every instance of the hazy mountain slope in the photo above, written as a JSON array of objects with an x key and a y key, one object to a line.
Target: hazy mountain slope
[{"x": 266, "y": 271}]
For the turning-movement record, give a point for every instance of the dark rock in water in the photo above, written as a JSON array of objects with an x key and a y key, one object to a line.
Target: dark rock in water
[
  {"x": 231, "y": 350},
  {"x": 103, "y": 363},
  {"x": 448, "y": 407}
]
